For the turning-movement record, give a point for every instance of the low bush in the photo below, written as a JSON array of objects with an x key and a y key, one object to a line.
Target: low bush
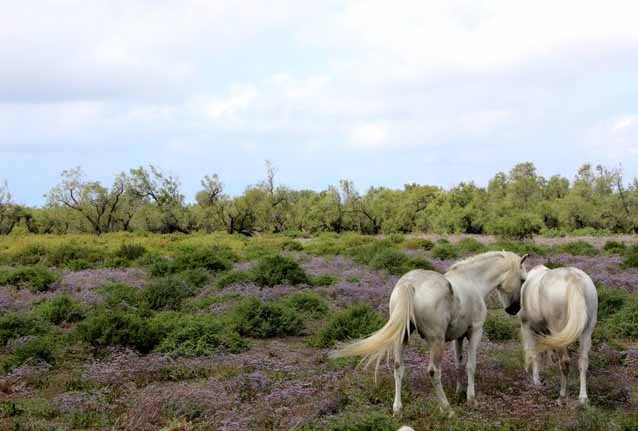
[
  {"x": 418, "y": 244},
  {"x": 354, "y": 322},
  {"x": 519, "y": 248},
  {"x": 15, "y": 325},
  {"x": 361, "y": 421},
  {"x": 32, "y": 254},
  {"x": 397, "y": 262},
  {"x": 214, "y": 258},
  {"x": 614, "y": 247},
  {"x": 130, "y": 252},
  {"x": 115, "y": 327},
  {"x": 159, "y": 266},
  {"x": 194, "y": 278},
  {"x": 307, "y": 303},
  {"x": 499, "y": 327},
  {"x": 517, "y": 226},
  {"x": 631, "y": 257},
  {"x": 233, "y": 277},
  {"x": 610, "y": 301},
  {"x": 470, "y": 245},
  {"x": 120, "y": 294},
  {"x": 200, "y": 335},
  {"x": 65, "y": 254},
  {"x": 322, "y": 280},
  {"x": 41, "y": 348},
  {"x": 444, "y": 251},
  {"x": 273, "y": 270},
  {"x": 166, "y": 293},
  {"x": 578, "y": 248},
  {"x": 35, "y": 278},
  {"x": 60, "y": 309},
  {"x": 396, "y": 238},
  {"x": 292, "y": 245},
  {"x": 253, "y": 318},
  {"x": 624, "y": 322}
]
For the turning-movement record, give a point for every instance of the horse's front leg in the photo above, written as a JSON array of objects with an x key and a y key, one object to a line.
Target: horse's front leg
[{"x": 472, "y": 348}]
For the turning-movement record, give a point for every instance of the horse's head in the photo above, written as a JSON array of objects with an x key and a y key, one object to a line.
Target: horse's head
[{"x": 509, "y": 289}]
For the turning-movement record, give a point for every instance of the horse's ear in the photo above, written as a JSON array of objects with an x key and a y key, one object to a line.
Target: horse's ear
[{"x": 524, "y": 257}]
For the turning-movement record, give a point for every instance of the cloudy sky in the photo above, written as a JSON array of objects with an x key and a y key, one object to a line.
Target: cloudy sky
[{"x": 379, "y": 92}]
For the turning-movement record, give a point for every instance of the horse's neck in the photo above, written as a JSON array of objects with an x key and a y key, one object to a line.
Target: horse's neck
[{"x": 482, "y": 277}]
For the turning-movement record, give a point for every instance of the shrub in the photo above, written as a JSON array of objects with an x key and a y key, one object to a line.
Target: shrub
[
  {"x": 60, "y": 309},
  {"x": 30, "y": 255},
  {"x": 366, "y": 421},
  {"x": 166, "y": 293},
  {"x": 397, "y": 262},
  {"x": 215, "y": 258},
  {"x": 624, "y": 322},
  {"x": 200, "y": 335},
  {"x": 68, "y": 252},
  {"x": 160, "y": 266},
  {"x": 499, "y": 327},
  {"x": 77, "y": 264},
  {"x": 444, "y": 251},
  {"x": 517, "y": 226},
  {"x": 631, "y": 257},
  {"x": 273, "y": 270},
  {"x": 253, "y": 318},
  {"x": 396, "y": 238},
  {"x": 418, "y": 244},
  {"x": 130, "y": 251},
  {"x": 470, "y": 245},
  {"x": 322, "y": 280},
  {"x": 35, "y": 278},
  {"x": 307, "y": 303},
  {"x": 292, "y": 245},
  {"x": 116, "y": 327},
  {"x": 194, "y": 278},
  {"x": 117, "y": 294},
  {"x": 15, "y": 325},
  {"x": 519, "y": 248},
  {"x": 354, "y": 322},
  {"x": 38, "y": 349},
  {"x": 233, "y": 277},
  {"x": 578, "y": 248},
  {"x": 364, "y": 252},
  {"x": 614, "y": 247},
  {"x": 610, "y": 301}
]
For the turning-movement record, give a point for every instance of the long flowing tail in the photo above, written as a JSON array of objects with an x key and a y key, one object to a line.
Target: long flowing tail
[
  {"x": 576, "y": 321},
  {"x": 383, "y": 342}
]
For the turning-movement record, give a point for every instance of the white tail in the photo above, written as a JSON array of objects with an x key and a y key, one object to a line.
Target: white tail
[
  {"x": 576, "y": 321},
  {"x": 380, "y": 344}
]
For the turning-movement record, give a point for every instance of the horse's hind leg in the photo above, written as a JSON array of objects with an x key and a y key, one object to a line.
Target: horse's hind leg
[
  {"x": 563, "y": 362},
  {"x": 437, "y": 348},
  {"x": 531, "y": 356},
  {"x": 458, "y": 362},
  {"x": 583, "y": 364},
  {"x": 399, "y": 370}
]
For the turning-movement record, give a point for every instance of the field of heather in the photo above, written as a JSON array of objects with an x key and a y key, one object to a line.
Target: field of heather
[{"x": 223, "y": 332}]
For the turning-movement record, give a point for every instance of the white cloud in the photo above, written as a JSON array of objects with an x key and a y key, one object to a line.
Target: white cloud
[{"x": 369, "y": 135}]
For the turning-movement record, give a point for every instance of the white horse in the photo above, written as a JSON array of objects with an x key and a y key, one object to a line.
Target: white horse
[
  {"x": 558, "y": 307},
  {"x": 448, "y": 307}
]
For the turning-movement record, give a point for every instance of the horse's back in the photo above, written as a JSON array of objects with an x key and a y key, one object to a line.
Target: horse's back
[
  {"x": 433, "y": 300},
  {"x": 546, "y": 298}
]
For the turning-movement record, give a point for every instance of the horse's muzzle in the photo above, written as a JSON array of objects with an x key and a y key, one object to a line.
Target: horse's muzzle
[{"x": 513, "y": 308}]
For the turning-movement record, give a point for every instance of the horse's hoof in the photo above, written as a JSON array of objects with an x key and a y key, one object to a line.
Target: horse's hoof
[
  {"x": 397, "y": 412},
  {"x": 583, "y": 402},
  {"x": 561, "y": 401},
  {"x": 472, "y": 402}
]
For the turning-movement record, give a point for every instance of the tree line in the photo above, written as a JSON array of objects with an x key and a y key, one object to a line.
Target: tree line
[{"x": 518, "y": 204}]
